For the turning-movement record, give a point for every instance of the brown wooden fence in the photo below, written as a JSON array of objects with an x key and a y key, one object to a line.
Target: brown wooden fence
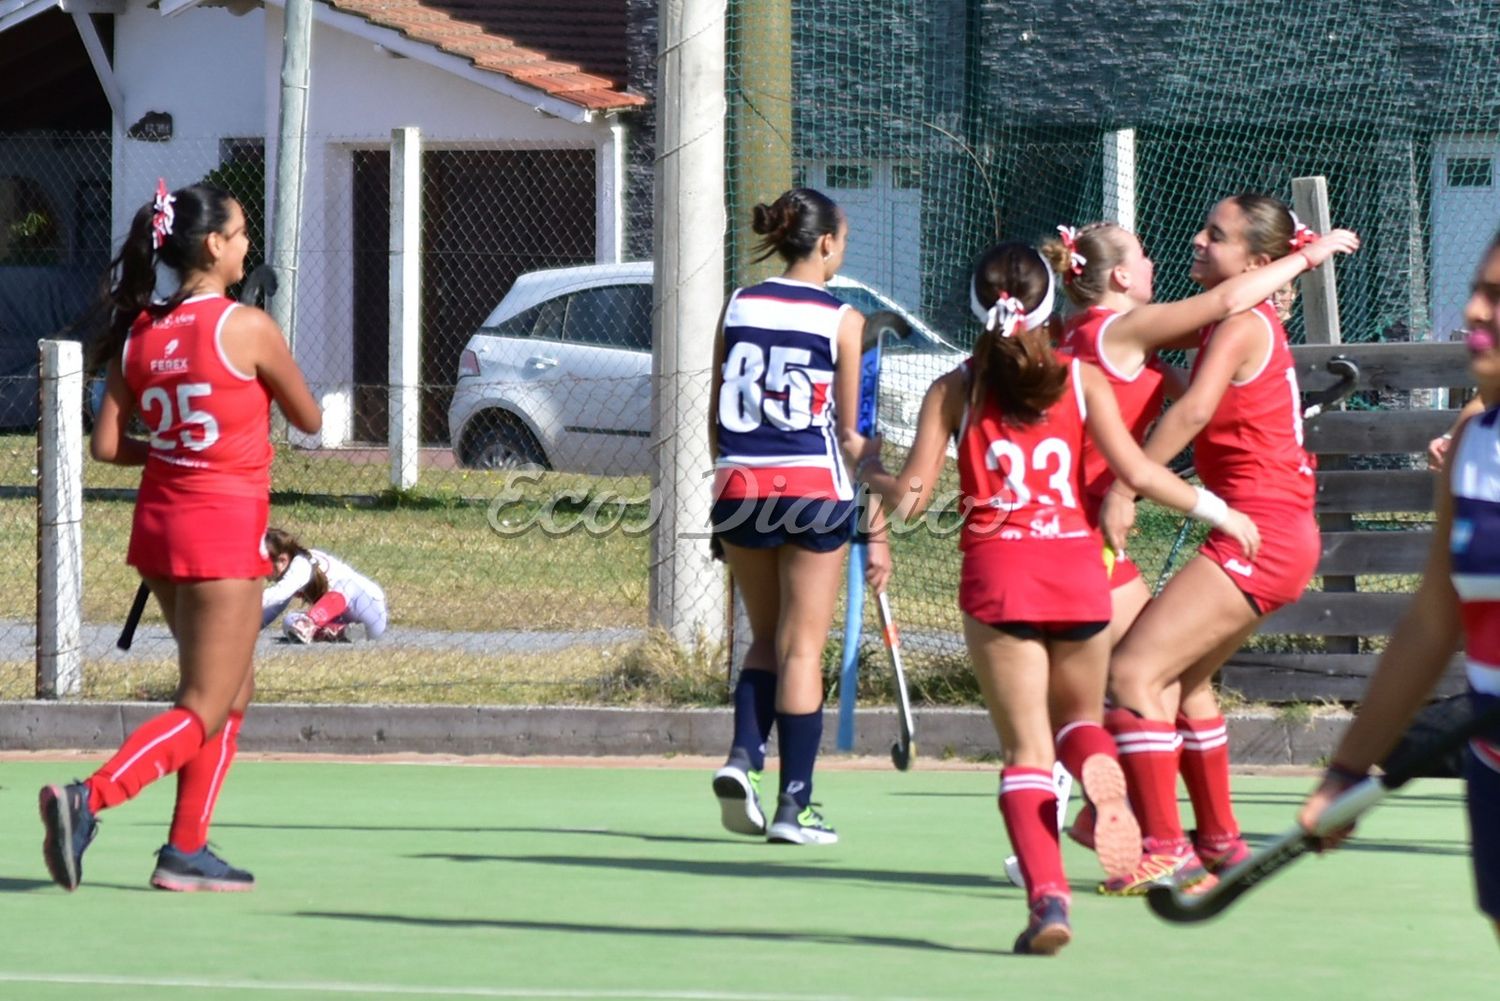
[{"x": 1362, "y": 483}]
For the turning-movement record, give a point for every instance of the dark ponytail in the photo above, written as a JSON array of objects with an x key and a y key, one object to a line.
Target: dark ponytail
[
  {"x": 1020, "y": 373},
  {"x": 282, "y": 543},
  {"x": 792, "y": 225},
  {"x": 130, "y": 282}
]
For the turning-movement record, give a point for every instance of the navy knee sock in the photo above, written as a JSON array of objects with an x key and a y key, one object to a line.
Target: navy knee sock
[
  {"x": 754, "y": 712},
  {"x": 799, "y": 737}
]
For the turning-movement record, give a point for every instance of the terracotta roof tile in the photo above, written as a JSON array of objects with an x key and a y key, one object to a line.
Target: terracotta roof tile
[{"x": 578, "y": 56}]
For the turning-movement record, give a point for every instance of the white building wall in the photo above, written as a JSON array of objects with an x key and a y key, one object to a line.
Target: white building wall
[
  {"x": 200, "y": 67},
  {"x": 219, "y": 76},
  {"x": 359, "y": 91}
]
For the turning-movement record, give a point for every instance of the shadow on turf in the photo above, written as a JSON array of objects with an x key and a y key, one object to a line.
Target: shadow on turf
[
  {"x": 756, "y": 869},
  {"x": 10, "y": 884},
  {"x": 598, "y": 832},
  {"x": 579, "y": 928}
]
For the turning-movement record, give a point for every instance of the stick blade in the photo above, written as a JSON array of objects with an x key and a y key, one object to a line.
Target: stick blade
[
  {"x": 1172, "y": 905},
  {"x": 884, "y": 325},
  {"x": 901, "y": 755}
]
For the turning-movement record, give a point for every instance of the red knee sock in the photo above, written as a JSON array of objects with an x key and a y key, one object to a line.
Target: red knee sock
[
  {"x": 327, "y": 608},
  {"x": 1080, "y": 740},
  {"x": 198, "y": 785},
  {"x": 1148, "y": 754},
  {"x": 159, "y": 746},
  {"x": 1205, "y": 770},
  {"x": 1028, "y": 802}
]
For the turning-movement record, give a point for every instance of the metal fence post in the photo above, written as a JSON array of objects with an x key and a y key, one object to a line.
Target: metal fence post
[
  {"x": 59, "y": 577},
  {"x": 404, "y": 375}
]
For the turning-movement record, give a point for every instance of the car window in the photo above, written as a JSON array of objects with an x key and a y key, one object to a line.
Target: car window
[
  {"x": 549, "y": 318},
  {"x": 614, "y": 316},
  {"x": 544, "y": 320}
]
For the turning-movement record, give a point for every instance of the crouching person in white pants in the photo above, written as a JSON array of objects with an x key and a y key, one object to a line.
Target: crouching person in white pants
[{"x": 343, "y": 604}]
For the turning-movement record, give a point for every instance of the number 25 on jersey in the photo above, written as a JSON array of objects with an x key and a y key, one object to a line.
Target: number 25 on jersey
[{"x": 185, "y": 415}]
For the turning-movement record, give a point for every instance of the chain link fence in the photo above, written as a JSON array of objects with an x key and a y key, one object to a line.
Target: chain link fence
[
  {"x": 519, "y": 566},
  {"x": 941, "y": 127}
]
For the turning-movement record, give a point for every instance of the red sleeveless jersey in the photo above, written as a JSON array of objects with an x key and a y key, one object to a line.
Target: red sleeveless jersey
[
  {"x": 1140, "y": 396},
  {"x": 1251, "y": 449},
  {"x": 209, "y": 423},
  {"x": 1024, "y": 482}
]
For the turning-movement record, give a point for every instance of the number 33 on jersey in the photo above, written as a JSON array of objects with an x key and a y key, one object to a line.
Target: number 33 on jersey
[{"x": 1023, "y": 482}]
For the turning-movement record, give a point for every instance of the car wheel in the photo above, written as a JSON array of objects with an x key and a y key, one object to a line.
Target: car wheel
[{"x": 503, "y": 442}]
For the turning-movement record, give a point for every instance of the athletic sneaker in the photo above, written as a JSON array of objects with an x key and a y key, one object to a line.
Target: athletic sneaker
[
  {"x": 1220, "y": 855},
  {"x": 1048, "y": 930},
  {"x": 70, "y": 827},
  {"x": 799, "y": 825},
  {"x": 1161, "y": 864},
  {"x": 737, "y": 786},
  {"x": 201, "y": 871},
  {"x": 298, "y": 628},
  {"x": 1116, "y": 835}
]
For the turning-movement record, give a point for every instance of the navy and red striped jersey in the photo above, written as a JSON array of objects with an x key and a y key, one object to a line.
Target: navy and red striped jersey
[
  {"x": 776, "y": 425},
  {"x": 1474, "y": 549}
]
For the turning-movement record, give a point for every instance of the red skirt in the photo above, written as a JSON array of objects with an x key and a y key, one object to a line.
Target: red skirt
[
  {"x": 180, "y": 535},
  {"x": 1056, "y": 581},
  {"x": 1290, "y": 548}
]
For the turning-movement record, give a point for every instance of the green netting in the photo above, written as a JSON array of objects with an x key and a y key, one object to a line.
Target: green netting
[{"x": 941, "y": 124}]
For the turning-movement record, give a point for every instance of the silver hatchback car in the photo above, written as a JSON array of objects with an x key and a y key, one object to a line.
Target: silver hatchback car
[{"x": 559, "y": 375}]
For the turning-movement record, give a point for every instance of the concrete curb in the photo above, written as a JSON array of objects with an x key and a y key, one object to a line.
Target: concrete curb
[{"x": 1255, "y": 739}]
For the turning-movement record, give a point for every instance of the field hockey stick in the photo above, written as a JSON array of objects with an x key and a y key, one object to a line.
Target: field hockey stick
[
  {"x": 1417, "y": 753},
  {"x": 1347, "y": 371},
  {"x": 905, "y": 747},
  {"x": 259, "y": 286},
  {"x": 133, "y": 617},
  {"x": 878, "y": 326}
]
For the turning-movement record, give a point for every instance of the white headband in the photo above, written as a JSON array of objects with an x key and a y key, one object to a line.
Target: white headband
[{"x": 1007, "y": 313}]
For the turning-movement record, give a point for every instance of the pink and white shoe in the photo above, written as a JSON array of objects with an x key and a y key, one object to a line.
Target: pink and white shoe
[{"x": 1116, "y": 835}]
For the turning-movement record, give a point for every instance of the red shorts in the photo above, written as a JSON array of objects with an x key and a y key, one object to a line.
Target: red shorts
[
  {"x": 180, "y": 535},
  {"x": 1057, "y": 581},
  {"x": 1290, "y": 548}
]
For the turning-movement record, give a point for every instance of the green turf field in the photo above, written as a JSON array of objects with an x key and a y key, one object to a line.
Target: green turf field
[{"x": 442, "y": 881}]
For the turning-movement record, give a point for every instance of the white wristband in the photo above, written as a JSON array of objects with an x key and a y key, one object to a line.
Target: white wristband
[{"x": 1210, "y": 508}]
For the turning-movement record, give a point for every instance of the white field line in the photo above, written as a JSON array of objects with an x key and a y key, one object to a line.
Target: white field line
[{"x": 406, "y": 990}]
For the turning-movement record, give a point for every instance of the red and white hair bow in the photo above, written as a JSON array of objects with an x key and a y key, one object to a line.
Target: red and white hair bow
[
  {"x": 1076, "y": 261},
  {"x": 162, "y": 214},
  {"x": 1302, "y": 234},
  {"x": 1005, "y": 316}
]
